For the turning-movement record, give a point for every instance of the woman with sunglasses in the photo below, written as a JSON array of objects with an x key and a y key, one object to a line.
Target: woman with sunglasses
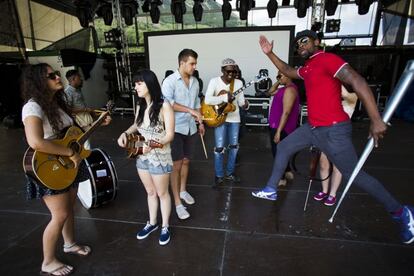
[
  {"x": 283, "y": 115},
  {"x": 45, "y": 114},
  {"x": 155, "y": 121}
]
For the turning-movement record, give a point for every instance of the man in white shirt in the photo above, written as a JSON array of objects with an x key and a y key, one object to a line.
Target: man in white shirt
[{"x": 228, "y": 132}]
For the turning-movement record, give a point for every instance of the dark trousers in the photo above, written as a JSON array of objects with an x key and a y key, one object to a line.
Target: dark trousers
[
  {"x": 283, "y": 135},
  {"x": 335, "y": 141}
]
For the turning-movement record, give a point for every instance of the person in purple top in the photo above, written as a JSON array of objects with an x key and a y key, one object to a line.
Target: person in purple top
[{"x": 283, "y": 115}]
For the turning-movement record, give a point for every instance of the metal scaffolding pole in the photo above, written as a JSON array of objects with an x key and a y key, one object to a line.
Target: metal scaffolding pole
[{"x": 400, "y": 89}]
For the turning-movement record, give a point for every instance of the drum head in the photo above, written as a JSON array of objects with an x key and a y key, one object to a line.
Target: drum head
[{"x": 85, "y": 193}]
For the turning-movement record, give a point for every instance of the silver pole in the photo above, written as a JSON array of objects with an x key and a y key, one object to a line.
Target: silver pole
[{"x": 396, "y": 97}]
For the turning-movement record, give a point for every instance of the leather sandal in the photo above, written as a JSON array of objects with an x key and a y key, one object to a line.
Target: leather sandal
[
  {"x": 83, "y": 250},
  {"x": 58, "y": 271}
]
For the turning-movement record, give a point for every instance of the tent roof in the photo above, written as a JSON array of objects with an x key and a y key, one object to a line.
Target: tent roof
[{"x": 66, "y": 6}]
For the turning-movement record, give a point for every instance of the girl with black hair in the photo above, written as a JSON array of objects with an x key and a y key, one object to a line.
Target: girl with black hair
[
  {"x": 154, "y": 121},
  {"x": 45, "y": 115}
]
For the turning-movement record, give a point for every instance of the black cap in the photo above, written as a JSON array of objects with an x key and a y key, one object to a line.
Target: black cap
[{"x": 307, "y": 33}]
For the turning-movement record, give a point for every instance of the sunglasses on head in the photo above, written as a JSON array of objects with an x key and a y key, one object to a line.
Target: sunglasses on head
[
  {"x": 302, "y": 41},
  {"x": 53, "y": 75}
]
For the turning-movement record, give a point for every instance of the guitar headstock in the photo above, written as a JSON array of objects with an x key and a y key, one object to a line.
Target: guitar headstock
[{"x": 110, "y": 106}]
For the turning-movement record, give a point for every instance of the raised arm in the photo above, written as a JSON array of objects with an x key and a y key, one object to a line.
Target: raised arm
[
  {"x": 349, "y": 76},
  {"x": 267, "y": 48}
]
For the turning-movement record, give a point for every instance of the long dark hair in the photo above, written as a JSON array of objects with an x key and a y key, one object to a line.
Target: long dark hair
[
  {"x": 157, "y": 99},
  {"x": 34, "y": 86}
]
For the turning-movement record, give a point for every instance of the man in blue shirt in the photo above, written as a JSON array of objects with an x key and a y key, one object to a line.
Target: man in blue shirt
[
  {"x": 181, "y": 90},
  {"x": 74, "y": 98}
]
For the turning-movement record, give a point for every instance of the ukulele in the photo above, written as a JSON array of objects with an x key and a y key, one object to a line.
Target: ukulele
[{"x": 135, "y": 145}]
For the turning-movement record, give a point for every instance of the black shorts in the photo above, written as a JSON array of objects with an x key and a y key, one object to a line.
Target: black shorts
[{"x": 182, "y": 146}]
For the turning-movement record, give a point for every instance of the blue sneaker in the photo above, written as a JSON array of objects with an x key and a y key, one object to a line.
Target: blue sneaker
[
  {"x": 407, "y": 224},
  {"x": 148, "y": 229},
  {"x": 165, "y": 236},
  {"x": 266, "y": 193}
]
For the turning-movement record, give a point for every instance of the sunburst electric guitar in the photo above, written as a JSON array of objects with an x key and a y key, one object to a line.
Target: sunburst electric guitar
[
  {"x": 215, "y": 115},
  {"x": 58, "y": 172}
]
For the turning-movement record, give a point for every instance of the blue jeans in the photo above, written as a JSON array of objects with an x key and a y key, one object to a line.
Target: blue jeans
[
  {"x": 336, "y": 142},
  {"x": 226, "y": 134}
]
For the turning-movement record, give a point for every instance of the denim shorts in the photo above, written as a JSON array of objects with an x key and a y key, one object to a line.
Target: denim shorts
[{"x": 147, "y": 166}]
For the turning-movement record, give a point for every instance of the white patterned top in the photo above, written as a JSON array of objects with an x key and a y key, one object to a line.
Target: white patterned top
[{"x": 156, "y": 156}]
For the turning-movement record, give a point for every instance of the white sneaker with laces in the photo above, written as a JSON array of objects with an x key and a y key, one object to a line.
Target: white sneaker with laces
[
  {"x": 182, "y": 212},
  {"x": 187, "y": 197}
]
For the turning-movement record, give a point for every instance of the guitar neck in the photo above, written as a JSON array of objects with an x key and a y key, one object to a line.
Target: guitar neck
[
  {"x": 94, "y": 126},
  {"x": 238, "y": 91}
]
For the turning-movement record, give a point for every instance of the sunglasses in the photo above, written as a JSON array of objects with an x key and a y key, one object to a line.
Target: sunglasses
[
  {"x": 53, "y": 75},
  {"x": 302, "y": 41},
  {"x": 231, "y": 71}
]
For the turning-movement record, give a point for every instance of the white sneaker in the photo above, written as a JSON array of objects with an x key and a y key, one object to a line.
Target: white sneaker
[
  {"x": 289, "y": 176},
  {"x": 182, "y": 212},
  {"x": 187, "y": 197}
]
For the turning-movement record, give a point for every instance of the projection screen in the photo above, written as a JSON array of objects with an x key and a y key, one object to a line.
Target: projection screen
[{"x": 214, "y": 45}]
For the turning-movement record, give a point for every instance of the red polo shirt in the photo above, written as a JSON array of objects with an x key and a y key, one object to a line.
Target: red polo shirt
[{"x": 323, "y": 89}]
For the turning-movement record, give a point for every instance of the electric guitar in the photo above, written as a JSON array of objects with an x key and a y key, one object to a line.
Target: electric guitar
[
  {"x": 58, "y": 172},
  {"x": 135, "y": 145},
  {"x": 215, "y": 115}
]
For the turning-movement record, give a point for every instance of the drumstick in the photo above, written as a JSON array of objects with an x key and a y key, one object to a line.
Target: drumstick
[{"x": 204, "y": 145}]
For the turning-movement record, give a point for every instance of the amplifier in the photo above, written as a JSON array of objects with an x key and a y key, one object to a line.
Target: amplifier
[{"x": 258, "y": 112}]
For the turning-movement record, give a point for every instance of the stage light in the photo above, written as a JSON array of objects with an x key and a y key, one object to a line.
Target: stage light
[
  {"x": 155, "y": 11},
  {"x": 363, "y": 6},
  {"x": 146, "y": 6},
  {"x": 178, "y": 9},
  {"x": 198, "y": 10},
  {"x": 333, "y": 25},
  {"x": 83, "y": 12},
  {"x": 301, "y": 7},
  {"x": 330, "y": 7},
  {"x": 317, "y": 27},
  {"x": 105, "y": 11},
  {"x": 128, "y": 10},
  {"x": 243, "y": 7},
  {"x": 226, "y": 10},
  {"x": 272, "y": 8},
  {"x": 112, "y": 35}
]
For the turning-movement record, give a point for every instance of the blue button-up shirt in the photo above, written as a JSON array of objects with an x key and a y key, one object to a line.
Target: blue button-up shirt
[{"x": 175, "y": 90}]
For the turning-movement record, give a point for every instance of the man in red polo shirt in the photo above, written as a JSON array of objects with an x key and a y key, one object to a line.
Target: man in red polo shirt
[{"x": 329, "y": 127}]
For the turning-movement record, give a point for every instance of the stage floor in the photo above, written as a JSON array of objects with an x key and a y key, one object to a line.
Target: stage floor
[{"x": 229, "y": 232}]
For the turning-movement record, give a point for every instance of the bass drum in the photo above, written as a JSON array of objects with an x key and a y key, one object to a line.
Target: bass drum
[{"x": 102, "y": 186}]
